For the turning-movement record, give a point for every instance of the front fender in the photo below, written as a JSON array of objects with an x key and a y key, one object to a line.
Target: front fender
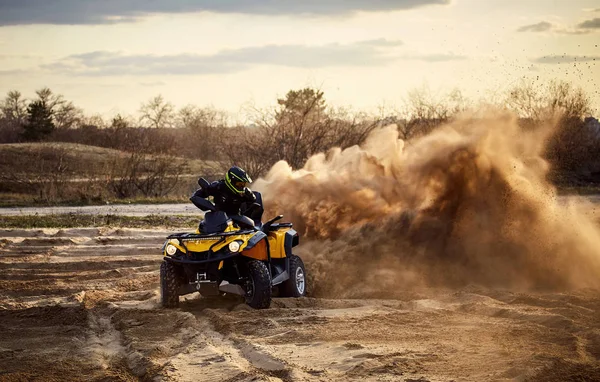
[{"x": 255, "y": 239}]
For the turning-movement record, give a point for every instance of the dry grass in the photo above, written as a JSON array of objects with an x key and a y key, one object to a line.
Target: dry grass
[
  {"x": 52, "y": 173},
  {"x": 82, "y": 160},
  {"x": 80, "y": 220}
]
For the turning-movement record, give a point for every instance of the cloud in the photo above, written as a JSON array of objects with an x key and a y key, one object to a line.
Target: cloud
[
  {"x": 358, "y": 54},
  {"x": 102, "y": 63},
  {"x": 590, "y": 24},
  {"x": 20, "y": 12},
  {"x": 564, "y": 59},
  {"x": 574, "y": 31},
  {"x": 543, "y": 26}
]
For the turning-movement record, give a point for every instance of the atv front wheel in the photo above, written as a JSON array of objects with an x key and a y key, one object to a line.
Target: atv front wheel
[
  {"x": 258, "y": 288},
  {"x": 168, "y": 285},
  {"x": 295, "y": 286}
]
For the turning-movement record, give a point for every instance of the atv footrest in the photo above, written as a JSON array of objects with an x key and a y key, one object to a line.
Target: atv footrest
[{"x": 232, "y": 288}]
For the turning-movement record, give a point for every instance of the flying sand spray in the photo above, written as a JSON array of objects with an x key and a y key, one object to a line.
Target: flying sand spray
[{"x": 467, "y": 204}]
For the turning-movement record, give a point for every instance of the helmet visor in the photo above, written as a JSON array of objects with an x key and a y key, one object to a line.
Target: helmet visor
[{"x": 239, "y": 185}]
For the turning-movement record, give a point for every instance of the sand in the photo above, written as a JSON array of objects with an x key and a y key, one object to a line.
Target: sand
[{"x": 82, "y": 304}]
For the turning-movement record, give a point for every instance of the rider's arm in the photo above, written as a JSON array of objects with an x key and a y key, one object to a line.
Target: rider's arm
[
  {"x": 249, "y": 196},
  {"x": 206, "y": 191}
]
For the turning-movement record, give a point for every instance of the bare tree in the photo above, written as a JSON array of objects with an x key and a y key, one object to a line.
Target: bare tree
[
  {"x": 14, "y": 107},
  {"x": 300, "y": 127},
  {"x": 67, "y": 116},
  {"x": 194, "y": 117},
  {"x": 540, "y": 102},
  {"x": 568, "y": 101},
  {"x": 64, "y": 114},
  {"x": 249, "y": 148},
  {"x": 157, "y": 113},
  {"x": 13, "y": 114},
  {"x": 203, "y": 128},
  {"x": 148, "y": 175},
  {"x": 422, "y": 111},
  {"x": 95, "y": 120},
  {"x": 117, "y": 133}
]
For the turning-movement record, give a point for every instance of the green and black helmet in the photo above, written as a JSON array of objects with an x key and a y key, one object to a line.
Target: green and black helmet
[{"x": 237, "y": 180}]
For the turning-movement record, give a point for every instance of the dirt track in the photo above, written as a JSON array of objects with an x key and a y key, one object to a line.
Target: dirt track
[{"x": 82, "y": 304}]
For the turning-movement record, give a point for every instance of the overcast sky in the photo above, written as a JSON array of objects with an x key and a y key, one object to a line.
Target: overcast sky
[{"x": 109, "y": 56}]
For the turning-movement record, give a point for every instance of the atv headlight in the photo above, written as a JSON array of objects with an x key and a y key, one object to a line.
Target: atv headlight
[
  {"x": 171, "y": 249},
  {"x": 234, "y": 246}
]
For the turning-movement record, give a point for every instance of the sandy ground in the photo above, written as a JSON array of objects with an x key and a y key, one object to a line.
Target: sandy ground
[{"x": 82, "y": 304}]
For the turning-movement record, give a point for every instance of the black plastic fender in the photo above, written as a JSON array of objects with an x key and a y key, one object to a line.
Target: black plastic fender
[
  {"x": 291, "y": 240},
  {"x": 255, "y": 239}
]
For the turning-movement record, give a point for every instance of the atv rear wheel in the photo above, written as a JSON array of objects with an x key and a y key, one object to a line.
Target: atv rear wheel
[
  {"x": 258, "y": 288},
  {"x": 295, "y": 286},
  {"x": 168, "y": 285}
]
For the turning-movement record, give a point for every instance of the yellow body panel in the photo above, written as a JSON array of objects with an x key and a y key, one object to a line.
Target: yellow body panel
[
  {"x": 203, "y": 245},
  {"x": 259, "y": 251},
  {"x": 277, "y": 243}
]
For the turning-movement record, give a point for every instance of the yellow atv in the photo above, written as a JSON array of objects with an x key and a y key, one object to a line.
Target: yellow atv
[{"x": 232, "y": 254}]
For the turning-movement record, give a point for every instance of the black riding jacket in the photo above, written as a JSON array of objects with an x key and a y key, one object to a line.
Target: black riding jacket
[{"x": 225, "y": 200}]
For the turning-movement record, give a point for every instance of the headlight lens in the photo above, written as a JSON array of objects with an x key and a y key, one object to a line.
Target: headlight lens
[
  {"x": 234, "y": 246},
  {"x": 171, "y": 249}
]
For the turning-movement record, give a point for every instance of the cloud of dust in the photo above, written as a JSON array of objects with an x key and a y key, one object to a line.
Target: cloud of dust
[{"x": 467, "y": 204}]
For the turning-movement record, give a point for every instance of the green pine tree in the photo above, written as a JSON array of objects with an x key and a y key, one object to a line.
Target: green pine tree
[{"x": 39, "y": 122}]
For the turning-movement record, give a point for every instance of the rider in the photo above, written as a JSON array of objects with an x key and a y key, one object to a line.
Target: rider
[{"x": 230, "y": 193}]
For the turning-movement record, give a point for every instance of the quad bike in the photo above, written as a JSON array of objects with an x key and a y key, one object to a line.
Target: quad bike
[{"x": 234, "y": 254}]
